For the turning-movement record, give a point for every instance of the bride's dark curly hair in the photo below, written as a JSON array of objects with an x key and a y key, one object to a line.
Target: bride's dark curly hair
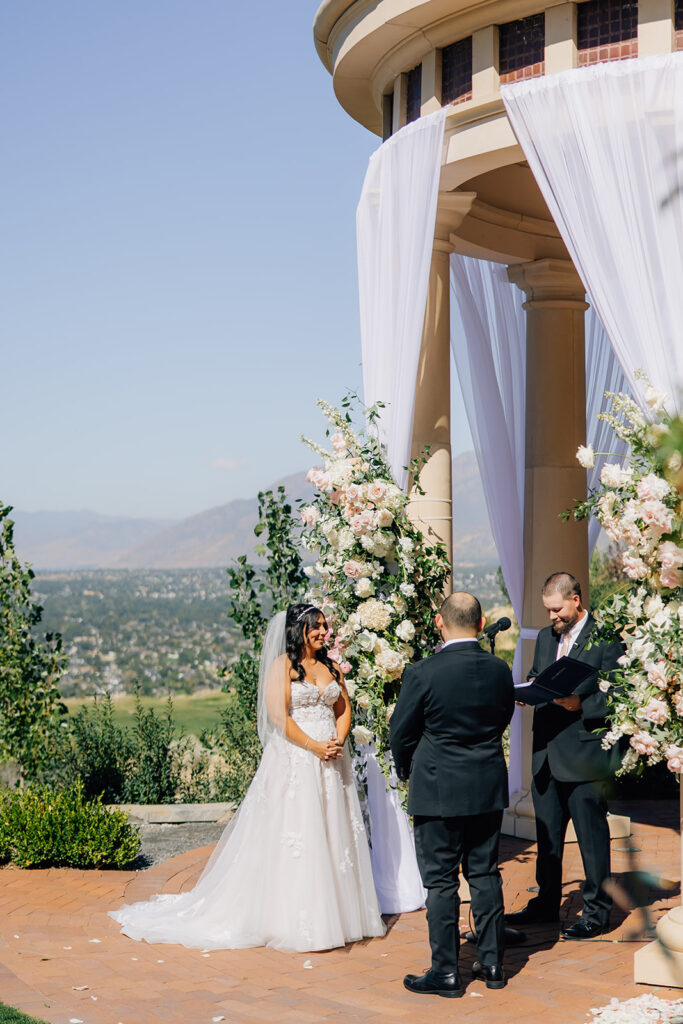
[{"x": 300, "y": 619}]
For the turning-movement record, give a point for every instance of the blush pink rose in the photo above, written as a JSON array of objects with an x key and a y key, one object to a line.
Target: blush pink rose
[
  {"x": 309, "y": 515},
  {"x": 345, "y": 667},
  {"x": 377, "y": 490},
  {"x": 656, "y": 674},
  {"x": 362, "y": 522},
  {"x": 643, "y": 743},
  {"x": 352, "y": 569},
  {"x": 656, "y": 711},
  {"x": 652, "y": 487},
  {"x": 671, "y": 578},
  {"x": 670, "y": 555},
  {"x": 674, "y": 759},
  {"x": 634, "y": 567},
  {"x": 657, "y": 516}
]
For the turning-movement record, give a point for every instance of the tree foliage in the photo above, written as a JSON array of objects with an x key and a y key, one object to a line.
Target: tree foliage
[
  {"x": 257, "y": 594},
  {"x": 30, "y": 664}
]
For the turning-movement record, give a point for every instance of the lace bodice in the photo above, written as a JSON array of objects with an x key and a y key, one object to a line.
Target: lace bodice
[{"x": 312, "y": 710}]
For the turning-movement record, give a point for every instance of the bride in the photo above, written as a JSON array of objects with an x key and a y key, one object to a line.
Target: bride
[{"x": 292, "y": 869}]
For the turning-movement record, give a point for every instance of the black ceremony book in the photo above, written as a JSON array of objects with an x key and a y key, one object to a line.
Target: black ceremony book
[{"x": 557, "y": 680}]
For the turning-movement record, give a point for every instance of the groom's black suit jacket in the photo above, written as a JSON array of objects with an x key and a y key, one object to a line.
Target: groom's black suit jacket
[
  {"x": 446, "y": 730},
  {"x": 566, "y": 738}
]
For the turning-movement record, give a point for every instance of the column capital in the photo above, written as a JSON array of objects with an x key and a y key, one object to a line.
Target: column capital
[
  {"x": 549, "y": 283},
  {"x": 451, "y": 211}
]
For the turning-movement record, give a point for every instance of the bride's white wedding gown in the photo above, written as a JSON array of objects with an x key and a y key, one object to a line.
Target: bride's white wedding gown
[{"x": 292, "y": 870}]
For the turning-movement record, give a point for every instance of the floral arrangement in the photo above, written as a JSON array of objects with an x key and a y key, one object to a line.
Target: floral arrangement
[
  {"x": 639, "y": 507},
  {"x": 645, "y": 1009},
  {"x": 377, "y": 579}
]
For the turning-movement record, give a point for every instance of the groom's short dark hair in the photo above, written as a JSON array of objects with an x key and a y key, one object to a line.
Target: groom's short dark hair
[{"x": 461, "y": 611}]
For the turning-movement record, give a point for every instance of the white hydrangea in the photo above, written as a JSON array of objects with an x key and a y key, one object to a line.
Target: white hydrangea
[
  {"x": 374, "y": 614},
  {"x": 407, "y": 589},
  {"x": 614, "y": 475}
]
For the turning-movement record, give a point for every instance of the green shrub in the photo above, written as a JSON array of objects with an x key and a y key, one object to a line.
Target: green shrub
[
  {"x": 43, "y": 827},
  {"x": 153, "y": 768},
  {"x": 95, "y": 750}
]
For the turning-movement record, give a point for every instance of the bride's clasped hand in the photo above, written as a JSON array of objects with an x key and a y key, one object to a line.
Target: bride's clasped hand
[{"x": 292, "y": 869}]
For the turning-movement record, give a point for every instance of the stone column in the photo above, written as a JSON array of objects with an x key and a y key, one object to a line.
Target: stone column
[
  {"x": 554, "y": 481},
  {"x": 432, "y": 511}
]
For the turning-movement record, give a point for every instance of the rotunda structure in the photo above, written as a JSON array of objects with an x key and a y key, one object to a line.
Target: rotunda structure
[{"x": 394, "y": 61}]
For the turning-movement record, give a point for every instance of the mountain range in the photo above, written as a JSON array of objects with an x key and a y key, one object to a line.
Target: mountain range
[{"x": 211, "y": 539}]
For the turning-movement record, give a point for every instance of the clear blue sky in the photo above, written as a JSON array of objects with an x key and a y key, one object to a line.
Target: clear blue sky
[{"x": 177, "y": 270}]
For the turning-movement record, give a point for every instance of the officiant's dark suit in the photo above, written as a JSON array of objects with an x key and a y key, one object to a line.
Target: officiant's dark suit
[
  {"x": 569, "y": 766},
  {"x": 446, "y": 735}
]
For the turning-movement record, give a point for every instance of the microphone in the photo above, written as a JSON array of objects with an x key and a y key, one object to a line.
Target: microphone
[{"x": 497, "y": 627}]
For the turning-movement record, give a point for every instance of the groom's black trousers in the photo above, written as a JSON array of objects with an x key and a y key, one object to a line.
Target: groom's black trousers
[{"x": 442, "y": 845}]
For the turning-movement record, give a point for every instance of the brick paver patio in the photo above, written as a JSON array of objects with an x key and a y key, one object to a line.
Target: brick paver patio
[{"x": 63, "y": 959}]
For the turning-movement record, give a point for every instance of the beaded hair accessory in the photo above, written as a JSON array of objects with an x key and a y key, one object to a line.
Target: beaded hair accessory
[{"x": 308, "y": 608}]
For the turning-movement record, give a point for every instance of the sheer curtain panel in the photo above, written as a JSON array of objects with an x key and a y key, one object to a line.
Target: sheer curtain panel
[
  {"x": 395, "y": 233},
  {"x": 605, "y": 145},
  {"x": 488, "y": 338}
]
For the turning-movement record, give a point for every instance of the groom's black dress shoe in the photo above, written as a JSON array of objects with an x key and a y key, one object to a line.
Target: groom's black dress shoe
[
  {"x": 583, "y": 930},
  {"x": 434, "y": 983},
  {"x": 533, "y": 913},
  {"x": 493, "y": 976}
]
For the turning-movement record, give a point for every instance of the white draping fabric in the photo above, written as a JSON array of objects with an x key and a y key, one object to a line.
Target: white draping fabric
[
  {"x": 604, "y": 144},
  {"x": 603, "y": 373},
  {"x": 488, "y": 335},
  {"x": 392, "y": 851},
  {"x": 395, "y": 234}
]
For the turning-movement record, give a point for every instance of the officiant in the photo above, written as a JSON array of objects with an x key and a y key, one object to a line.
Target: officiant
[{"x": 569, "y": 767}]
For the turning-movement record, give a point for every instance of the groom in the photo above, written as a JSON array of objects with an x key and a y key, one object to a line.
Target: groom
[{"x": 446, "y": 735}]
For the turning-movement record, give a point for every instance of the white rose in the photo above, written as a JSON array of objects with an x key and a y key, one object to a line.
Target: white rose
[
  {"x": 399, "y": 604},
  {"x": 361, "y": 735},
  {"x": 367, "y": 640},
  {"x": 585, "y": 456},
  {"x": 385, "y": 517},
  {"x": 653, "y": 605},
  {"x": 350, "y": 687},
  {"x": 655, "y": 434},
  {"x": 364, "y": 588},
  {"x": 354, "y": 622},
  {"x": 657, "y": 400},
  {"x": 391, "y": 662},
  {"x": 345, "y": 539},
  {"x": 363, "y": 700},
  {"x": 407, "y": 589},
  {"x": 405, "y": 630}
]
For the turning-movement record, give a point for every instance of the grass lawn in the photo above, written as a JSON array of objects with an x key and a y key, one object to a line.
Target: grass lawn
[
  {"x": 191, "y": 714},
  {"x": 8, "y": 1015}
]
